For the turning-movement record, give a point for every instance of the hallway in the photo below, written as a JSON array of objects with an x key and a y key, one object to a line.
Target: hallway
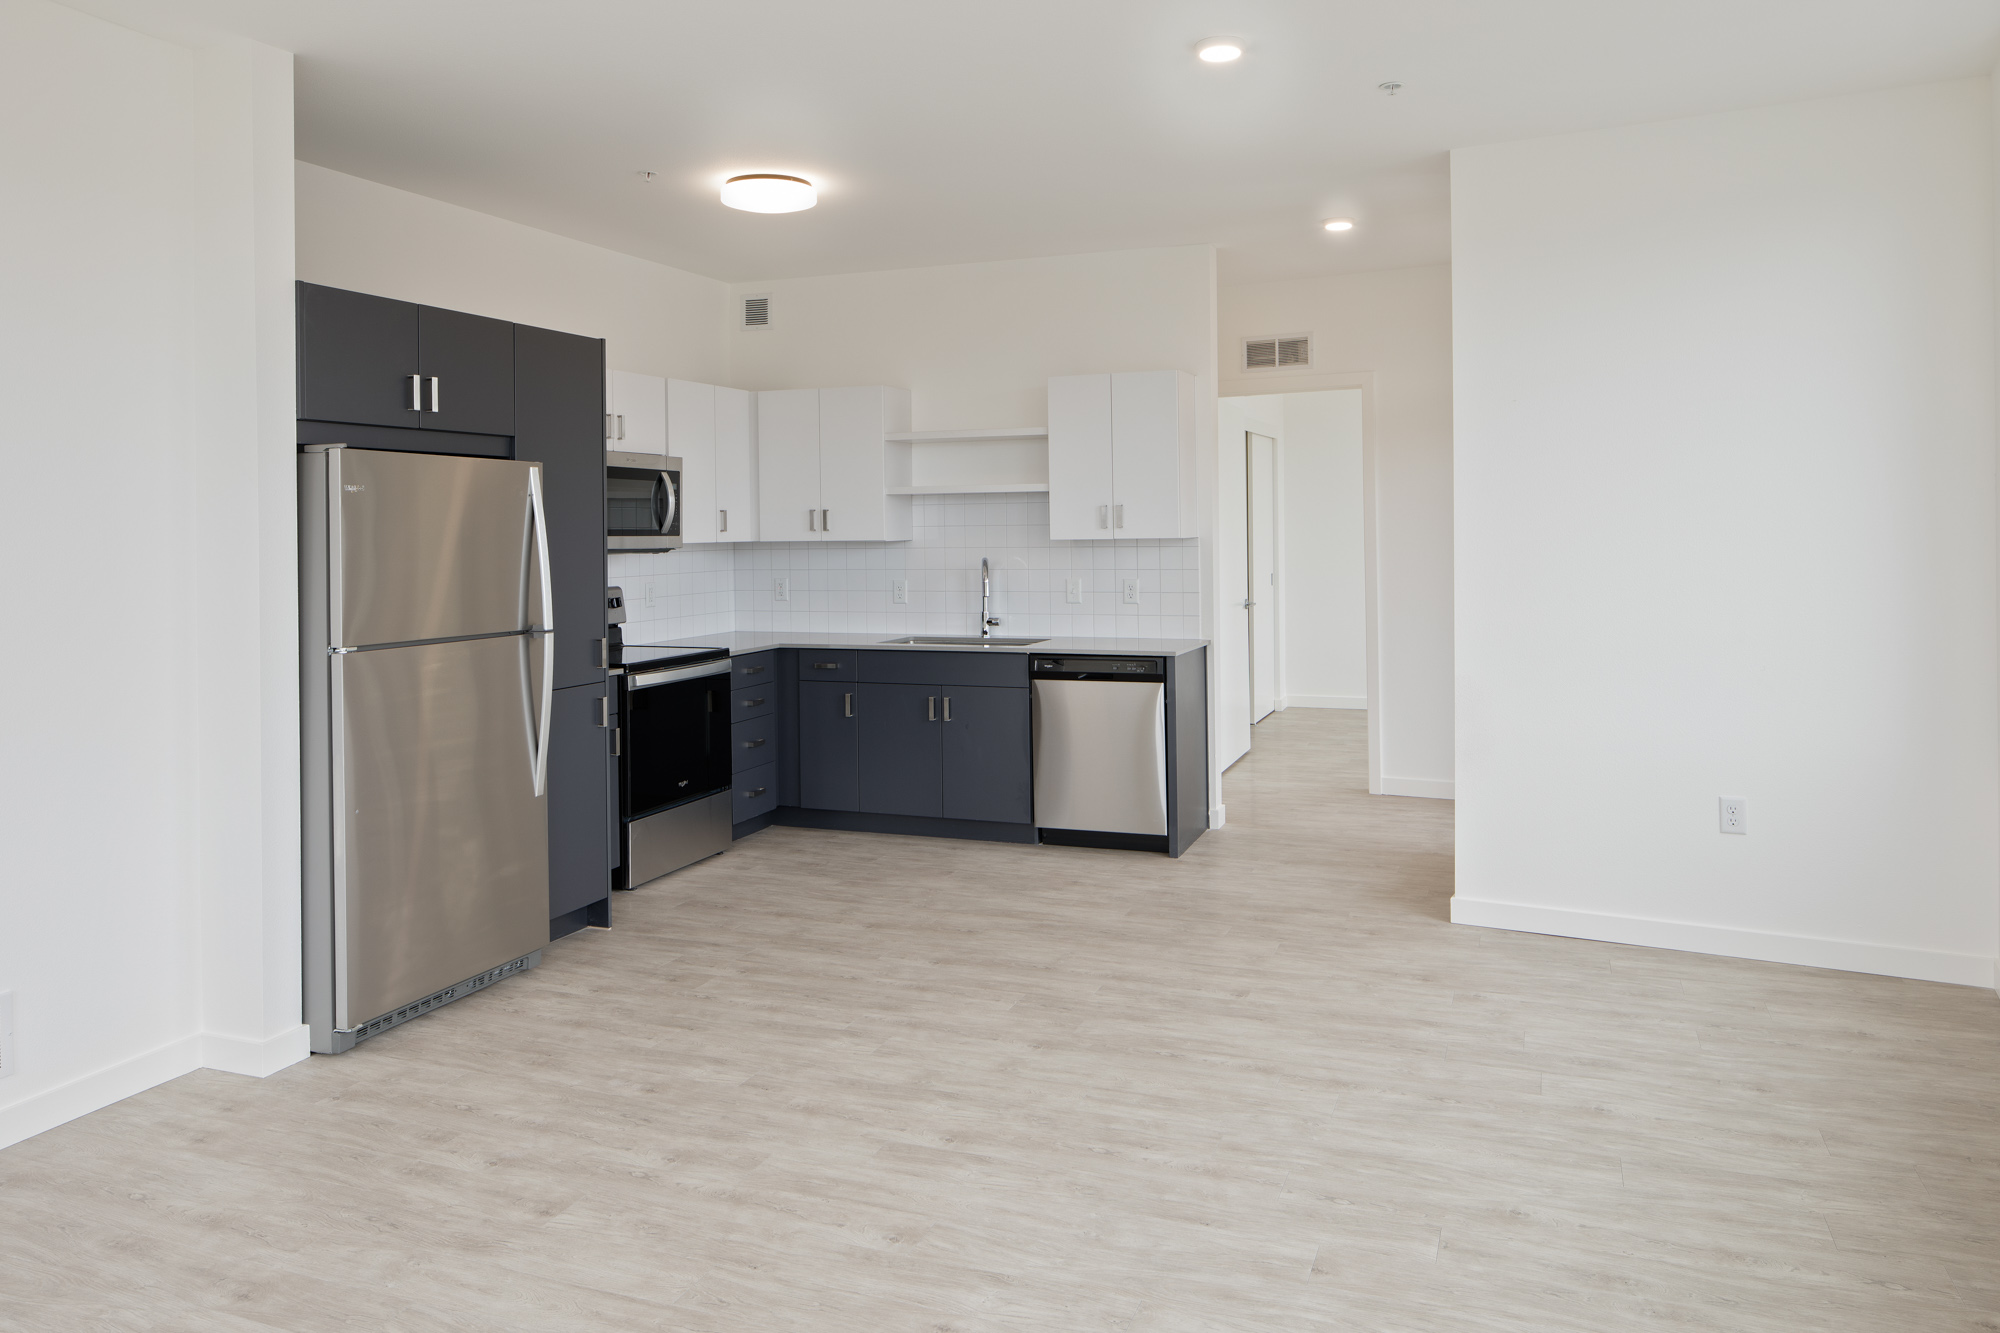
[{"x": 837, "y": 1082}]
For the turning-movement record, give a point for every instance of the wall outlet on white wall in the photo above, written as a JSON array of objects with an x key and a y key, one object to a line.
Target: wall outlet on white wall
[
  {"x": 1131, "y": 592},
  {"x": 1074, "y": 589},
  {"x": 1735, "y": 814},
  {"x": 899, "y": 592},
  {"x": 7, "y": 1061},
  {"x": 781, "y": 590}
]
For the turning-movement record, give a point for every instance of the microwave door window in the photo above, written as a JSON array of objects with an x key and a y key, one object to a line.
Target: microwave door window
[{"x": 633, "y": 502}]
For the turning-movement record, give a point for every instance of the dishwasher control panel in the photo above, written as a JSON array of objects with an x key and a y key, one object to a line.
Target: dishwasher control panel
[{"x": 1098, "y": 668}]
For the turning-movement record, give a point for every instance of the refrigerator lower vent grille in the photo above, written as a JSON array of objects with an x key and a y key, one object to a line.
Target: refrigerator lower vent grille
[{"x": 416, "y": 1008}]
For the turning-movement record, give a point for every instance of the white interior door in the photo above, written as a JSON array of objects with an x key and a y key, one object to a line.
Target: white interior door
[
  {"x": 1262, "y": 559},
  {"x": 691, "y": 438},
  {"x": 788, "y": 465},
  {"x": 1232, "y": 572}
]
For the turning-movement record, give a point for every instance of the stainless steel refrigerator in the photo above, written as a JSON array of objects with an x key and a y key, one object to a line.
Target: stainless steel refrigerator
[{"x": 426, "y": 655}]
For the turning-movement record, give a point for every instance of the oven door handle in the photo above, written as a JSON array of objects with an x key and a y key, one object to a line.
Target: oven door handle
[{"x": 645, "y": 679}]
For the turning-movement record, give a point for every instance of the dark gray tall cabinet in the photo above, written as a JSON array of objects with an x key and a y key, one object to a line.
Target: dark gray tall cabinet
[{"x": 378, "y": 373}]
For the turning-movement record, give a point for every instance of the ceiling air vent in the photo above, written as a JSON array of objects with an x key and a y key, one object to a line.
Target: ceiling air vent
[
  {"x": 1292, "y": 350},
  {"x": 756, "y": 312}
]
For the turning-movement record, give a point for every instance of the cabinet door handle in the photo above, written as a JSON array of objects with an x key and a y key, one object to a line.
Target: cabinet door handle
[
  {"x": 826, "y": 520},
  {"x": 434, "y": 394},
  {"x": 603, "y": 653},
  {"x": 947, "y": 708},
  {"x": 751, "y": 745},
  {"x": 610, "y": 426},
  {"x": 932, "y": 702},
  {"x": 416, "y": 392},
  {"x": 850, "y": 706},
  {"x": 1117, "y": 516},
  {"x": 754, "y": 791},
  {"x": 1104, "y": 516},
  {"x": 826, "y": 666},
  {"x": 617, "y": 741},
  {"x": 725, "y": 519},
  {"x": 812, "y": 520},
  {"x": 751, "y": 671},
  {"x": 752, "y": 703},
  {"x": 604, "y": 712}
]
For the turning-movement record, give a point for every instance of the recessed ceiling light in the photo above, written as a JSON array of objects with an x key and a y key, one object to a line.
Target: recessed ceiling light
[
  {"x": 762, "y": 192},
  {"x": 1219, "y": 50},
  {"x": 1339, "y": 224}
]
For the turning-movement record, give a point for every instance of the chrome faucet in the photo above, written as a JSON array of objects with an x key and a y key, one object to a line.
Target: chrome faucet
[{"x": 987, "y": 620}]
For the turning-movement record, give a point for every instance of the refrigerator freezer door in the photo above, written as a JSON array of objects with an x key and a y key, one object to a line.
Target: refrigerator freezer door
[
  {"x": 441, "y": 843},
  {"x": 428, "y": 546}
]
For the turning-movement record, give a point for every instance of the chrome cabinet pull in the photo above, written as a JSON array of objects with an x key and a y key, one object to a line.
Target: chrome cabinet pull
[
  {"x": 1117, "y": 516},
  {"x": 850, "y": 706},
  {"x": 416, "y": 392},
  {"x": 604, "y": 712},
  {"x": 617, "y": 741},
  {"x": 932, "y": 702},
  {"x": 434, "y": 394},
  {"x": 826, "y": 666},
  {"x": 610, "y": 431},
  {"x": 621, "y": 425},
  {"x": 947, "y": 708},
  {"x": 751, "y": 745},
  {"x": 752, "y": 703},
  {"x": 603, "y": 653},
  {"x": 725, "y": 519},
  {"x": 1104, "y": 516},
  {"x": 826, "y": 520},
  {"x": 755, "y": 791},
  {"x": 750, "y": 670}
]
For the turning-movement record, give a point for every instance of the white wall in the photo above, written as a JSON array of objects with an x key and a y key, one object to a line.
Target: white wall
[
  {"x": 1726, "y": 526},
  {"x": 1391, "y": 330},
  {"x": 366, "y": 237},
  {"x": 149, "y": 854},
  {"x": 1322, "y": 589}
]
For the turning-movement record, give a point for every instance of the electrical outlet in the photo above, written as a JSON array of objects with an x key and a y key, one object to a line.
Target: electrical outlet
[
  {"x": 1735, "y": 814},
  {"x": 781, "y": 590},
  {"x": 1074, "y": 588},
  {"x": 899, "y": 592},
  {"x": 6, "y": 1033},
  {"x": 1131, "y": 592}
]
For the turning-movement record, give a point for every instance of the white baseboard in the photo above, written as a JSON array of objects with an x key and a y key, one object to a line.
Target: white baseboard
[
  {"x": 1439, "y": 789},
  {"x": 1888, "y": 960},
  {"x": 1324, "y": 701},
  {"x": 93, "y": 1092},
  {"x": 1218, "y": 816},
  {"x": 258, "y": 1059}
]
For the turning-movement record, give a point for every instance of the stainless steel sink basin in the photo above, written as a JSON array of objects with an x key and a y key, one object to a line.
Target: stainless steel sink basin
[{"x": 966, "y": 641}]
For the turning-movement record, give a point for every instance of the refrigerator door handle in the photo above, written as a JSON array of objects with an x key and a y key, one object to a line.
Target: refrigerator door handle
[
  {"x": 545, "y": 631},
  {"x": 545, "y": 589},
  {"x": 541, "y": 755}
]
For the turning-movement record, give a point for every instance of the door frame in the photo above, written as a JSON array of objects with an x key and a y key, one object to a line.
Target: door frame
[{"x": 1248, "y": 386}]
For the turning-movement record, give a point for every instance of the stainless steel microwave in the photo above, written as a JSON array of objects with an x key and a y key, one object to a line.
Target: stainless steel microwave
[{"x": 642, "y": 502}]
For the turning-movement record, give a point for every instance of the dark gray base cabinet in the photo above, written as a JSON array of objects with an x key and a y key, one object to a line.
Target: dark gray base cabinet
[
  {"x": 828, "y": 740},
  {"x": 583, "y": 802}
]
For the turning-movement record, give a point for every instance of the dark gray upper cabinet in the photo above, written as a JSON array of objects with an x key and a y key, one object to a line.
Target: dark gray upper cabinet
[
  {"x": 582, "y": 807},
  {"x": 557, "y": 416},
  {"x": 356, "y": 356},
  {"x": 372, "y": 361},
  {"x": 987, "y": 754},
  {"x": 466, "y": 363},
  {"x": 826, "y": 754},
  {"x": 899, "y": 759}
]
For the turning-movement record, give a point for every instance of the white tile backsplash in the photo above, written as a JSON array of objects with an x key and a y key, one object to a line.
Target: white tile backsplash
[{"x": 845, "y": 587}]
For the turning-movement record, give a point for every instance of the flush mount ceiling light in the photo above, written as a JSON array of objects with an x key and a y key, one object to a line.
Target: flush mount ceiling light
[
  {"x": 1219, "y": 50},
  {"x": 1338, "y": 224},
  {"x": 763, "y": 192}
]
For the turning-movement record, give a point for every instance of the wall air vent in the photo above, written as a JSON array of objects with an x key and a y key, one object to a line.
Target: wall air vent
[
  {"x": 1292, "y": 351},
  {"x": 756, "y": 311}
]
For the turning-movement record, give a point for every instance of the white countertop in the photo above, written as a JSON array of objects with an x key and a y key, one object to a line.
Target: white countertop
[{"x": 743, "y": 642}]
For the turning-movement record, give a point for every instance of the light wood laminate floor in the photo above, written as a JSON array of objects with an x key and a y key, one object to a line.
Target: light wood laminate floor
[{"x": 839, "y": 1082}]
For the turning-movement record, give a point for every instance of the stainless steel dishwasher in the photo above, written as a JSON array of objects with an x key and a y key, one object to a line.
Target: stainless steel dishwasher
[{"x": 1100, "y": 728}]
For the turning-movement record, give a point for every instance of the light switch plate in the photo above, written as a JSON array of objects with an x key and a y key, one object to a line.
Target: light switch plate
[
  {"x": 781, "y": 590},
  {"x": 899, "y": 592},
  {"x": 1131, "y": 592},
  {"x": 1074, "y": 589}
]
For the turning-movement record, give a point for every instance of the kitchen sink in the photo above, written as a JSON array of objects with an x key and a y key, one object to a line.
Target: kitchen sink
[{"x": 965, "y": 641}]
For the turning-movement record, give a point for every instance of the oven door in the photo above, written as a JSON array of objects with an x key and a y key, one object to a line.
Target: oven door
[
  {"x": 676, "y": 736},
  {"x": 642, "y": 503}
]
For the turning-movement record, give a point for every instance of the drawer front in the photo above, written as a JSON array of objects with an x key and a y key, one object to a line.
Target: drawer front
[
  {"x": 981, "y": 668},
  {"x": 753, "y": 669},
  {"x": 754, "y": 743},
  {"x": 827, "y": 663},
  {"x": 755, "y": 793},
  {"x": 756, "y": 701}
]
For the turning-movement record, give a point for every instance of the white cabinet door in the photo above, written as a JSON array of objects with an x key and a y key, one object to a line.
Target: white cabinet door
[
  {"x": 637, "y": 407},
  {"x": 788, "y": 470},
  {"x": 855, "y": 463},
  {"x": 735, "y": 465},
  {"x": 1080, "y": 457},
  {"x": 1152, "y": 454},
  {"x": 691, "y": 438}
]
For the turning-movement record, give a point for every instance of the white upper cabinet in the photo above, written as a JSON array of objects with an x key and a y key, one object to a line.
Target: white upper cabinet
[
  {"x": 1121, "y": 455},
  {"x": 635, "y": 413},
  {"x": 825, "y": 466},
  {"x": 691, "y": 438},
  {"x": 736, "y": 465}
]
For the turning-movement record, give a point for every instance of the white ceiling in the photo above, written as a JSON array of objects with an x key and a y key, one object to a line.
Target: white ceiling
[{"x": 944, "y": 132}]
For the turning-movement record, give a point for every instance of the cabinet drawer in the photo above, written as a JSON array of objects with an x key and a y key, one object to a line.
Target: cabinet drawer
[
  {"x": 756, "y": 701},
  {"x": 827, "y": 663},
  {"x": 754, "y": 742},
  {"x": 755, "y": 793},
  {"x": 753, "y": 669},
  {"x": 982, "y": 668}
]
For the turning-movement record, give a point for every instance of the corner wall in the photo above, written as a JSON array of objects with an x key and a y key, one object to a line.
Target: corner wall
[{"x": 1726, "y": 527}]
